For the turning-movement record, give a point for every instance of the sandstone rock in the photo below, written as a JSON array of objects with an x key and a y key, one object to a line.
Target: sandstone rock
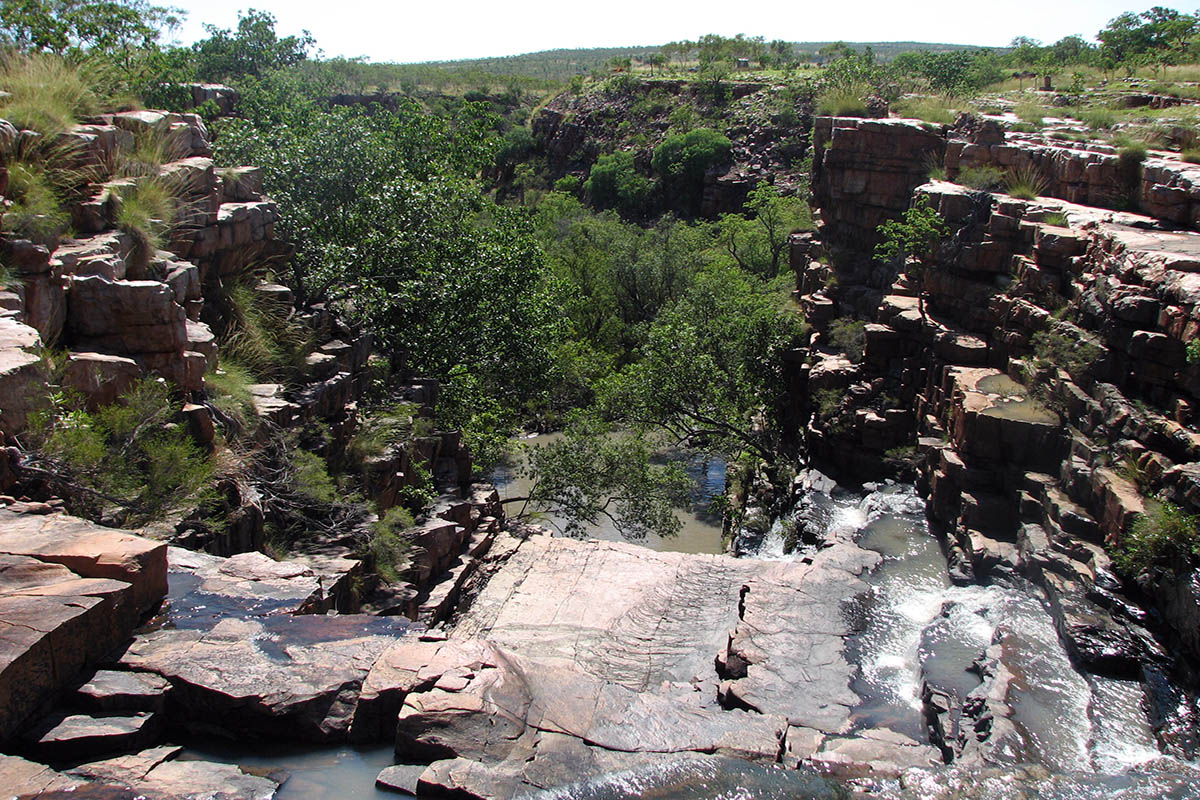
[
  {"x": 19, "y": 777},
  {"x": 402, "y": 778},
  {"x": 22, "y": 376},
  {"x": 90, "y": 550},
  {"x": 99, "y": 377},
  {"x": 111, "y": 690},
  {"x": 295, "y": 677},
  {"x": 129, "y": 317},
  {"x": 77, "y": 736},
  {"x": 127, "y": 770}
]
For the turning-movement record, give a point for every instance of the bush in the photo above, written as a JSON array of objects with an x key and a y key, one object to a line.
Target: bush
[
  {"x": 387, "y": 549},
  {"x": 312, "y": 479},
  {"x": 1163, "y": 537},
  {"x": 131, "y": 456},
  {"x": 37, "y": 211},
  {"x": 849, "y": 336},
  {"x": 684, "y": 159},
  {"x": 615, "y": 183},
  {"x": 260, "y": 337},
  {"x": 844, "y": 102},
  {"x": 228, "y": 390},
  {"x": 1054, "y": 348},
  {"x": 985, "y": 178}
]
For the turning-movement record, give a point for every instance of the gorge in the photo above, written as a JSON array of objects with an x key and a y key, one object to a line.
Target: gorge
[{"x": 943, "y": 582}]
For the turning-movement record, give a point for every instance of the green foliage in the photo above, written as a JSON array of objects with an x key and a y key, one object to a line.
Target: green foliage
[
  {"x": 37, "y": 207},
  {"x": 261, "y": 338},
  {"x": 1193, "y": 351},
  {"x": 758, "y": 243},
  {"x": 388, "y": 549},
  {"x": 683, "y": 160},
  {"x": 850, "y": 337},
  {"x": 1032, "y": 113},
  {"x": 848, "y": 101},
  {"x": 1165, "y": 537},
  {"x": 97, "y": 27},
  {"x": 312, "y": 479},
  {"x": 1097, "y": 118},
  {"x": 381, "y": 429},
  {"x": 985, "y": 178},
  {"x": 252, "y": 50},
  {"x": 1054, "y": 347},
  {"x": 827, "y": 402},
  {"x": 912, "y": 241},
  {"x": 713, "y": 369},
  {"x": 131, "y": 454},
  {"x": 228, "y": 389},
  {"x": 593, "y": 472},
  {"x": 147, "y": 210},
  {"x": 1056, "y": 218},
  {"x": 1190, "y": 156},
  {"x": 929, "y": 109},
  {"x": 614, "y": 182},
  {"x": 951, "y": 74}
]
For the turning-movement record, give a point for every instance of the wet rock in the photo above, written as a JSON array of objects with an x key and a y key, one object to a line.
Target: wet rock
[{"x": 296, "y": 677}]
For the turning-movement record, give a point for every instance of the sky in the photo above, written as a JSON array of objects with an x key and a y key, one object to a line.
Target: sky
[{"x": 433, "y": 30}]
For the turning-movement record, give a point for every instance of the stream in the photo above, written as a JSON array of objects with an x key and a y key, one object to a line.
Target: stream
[{"x": 1088, "y": 737}]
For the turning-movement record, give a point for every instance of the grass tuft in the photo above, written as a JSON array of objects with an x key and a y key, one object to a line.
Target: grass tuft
[{"x": 46, "y": 94}]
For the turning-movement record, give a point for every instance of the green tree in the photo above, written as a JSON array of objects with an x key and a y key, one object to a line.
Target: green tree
[
  {"x": 614, "y": 182},
  {"x": 252, "y": 49},
  {"x": 759, "y": 243},
  {"x": 594, "y": 472},
  {"x": 911, "y": 243},
  {"x": 684, "y": 159},
  {"x": 713, "y": 370},
  {"x": 96, "y": 26}
]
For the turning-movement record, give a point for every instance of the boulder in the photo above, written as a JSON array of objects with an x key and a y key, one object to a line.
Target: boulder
[{"x": 22, "y": 376}]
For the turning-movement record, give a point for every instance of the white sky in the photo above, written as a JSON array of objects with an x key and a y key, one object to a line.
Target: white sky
[{"x": 429, "y": 30}]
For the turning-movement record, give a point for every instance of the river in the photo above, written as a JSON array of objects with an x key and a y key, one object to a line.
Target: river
[{"x": 701, "y": 532}]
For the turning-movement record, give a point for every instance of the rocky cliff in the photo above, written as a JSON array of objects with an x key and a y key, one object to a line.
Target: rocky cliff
[{"x": 1047, "y": 396}]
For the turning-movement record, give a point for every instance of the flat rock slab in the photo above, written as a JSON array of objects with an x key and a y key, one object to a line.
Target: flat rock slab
[
  {"x": 401, "y": 778},
  {"x": 20, "y": 777},
  {"x": 52, "y": 624},
  {"x": 116, "y": 690},
  {"x": 155, "y": 774},
  {"x": 618, "y": 611},
  {"x": 90, "y": 551},
  {"x": 78, "y": 736},
  {"x": 297, "y": 677}
]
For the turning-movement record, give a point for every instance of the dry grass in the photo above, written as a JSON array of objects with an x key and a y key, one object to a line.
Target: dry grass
[{"x": 47, "y": 95}]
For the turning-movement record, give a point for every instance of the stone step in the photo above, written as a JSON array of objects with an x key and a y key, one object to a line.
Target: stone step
[
  {"x": 121, "y": 691},
  {"x": 76, "y": 737}
]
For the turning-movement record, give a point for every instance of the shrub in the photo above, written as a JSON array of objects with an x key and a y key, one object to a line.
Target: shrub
[
  {"x": 387, "y": 548},
  {"x": 312, "y": 477},
  {"x": 1190, "y": 156},
  {"x": 985, "y": 178},
  {"x": 1162, "y": 537},
  {"x": 827, "y": 402},
  {"x": 849, "y": 336},
  {"x": 684, "y": 159},
  {"x": 228, "y": 390},
  {"x": 260, "y": 337},
  {"x": 1031, "y": 113},
  {"x": 1193, "y": 351},
  {"x": 1055, "y": 348},
  {"x": 130, "y": 456},
  {"x": 37, "y": 209},
  {"x": 147, "y": 210},
  {"x": 929, "y": 109},
  {"x": 568, "y": 184},
  {"x": 1097, "y": 118},
  {"x": 380, "y": 430},
  {"x": 615, "y": 183},
  {"x": 1026, "y": 183}
]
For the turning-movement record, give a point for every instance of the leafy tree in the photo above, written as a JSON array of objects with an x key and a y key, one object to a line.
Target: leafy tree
[
  {"x": 614, "y": 182},
  {"x": 912, "y": 242},
  {"x": 251, "y": 50},
  {"x": 683, "y": 160},
  {"x": 95, "y": 26},
  {"x": 712, "y": 372},
  {"x": 593, "y": 472},
  {"x": 758, "y": 244}
]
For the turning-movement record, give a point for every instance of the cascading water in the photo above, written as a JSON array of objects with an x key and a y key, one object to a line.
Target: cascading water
[{"x": 915, "y": 627}]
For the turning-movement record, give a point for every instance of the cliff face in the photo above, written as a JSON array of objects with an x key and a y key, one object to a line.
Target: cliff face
[{"x": 1048, "y": 394}]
